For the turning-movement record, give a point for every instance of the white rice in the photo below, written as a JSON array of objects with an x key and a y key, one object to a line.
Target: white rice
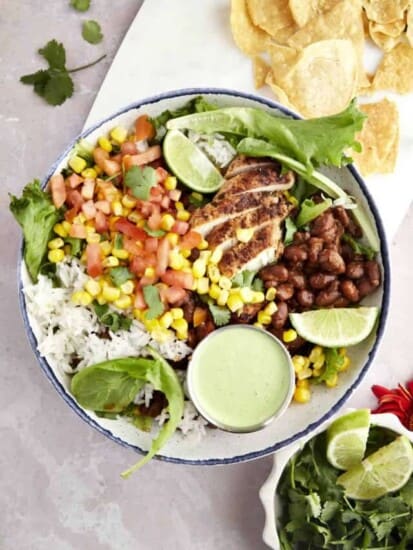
[
  {"x": 215, "y": 146},
  {"x": 66, "y": 332}
]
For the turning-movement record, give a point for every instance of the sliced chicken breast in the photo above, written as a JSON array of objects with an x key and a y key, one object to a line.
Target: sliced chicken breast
[
  {"x": 265, "y": 178},
  {"x": 242, "y": 164}
]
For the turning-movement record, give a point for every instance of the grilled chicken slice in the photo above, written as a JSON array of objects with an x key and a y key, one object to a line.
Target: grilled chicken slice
[
  {"x": 266, "y": 178},
  {"x": 242, "y": 164},
  {"x": 263, "y": 249}
]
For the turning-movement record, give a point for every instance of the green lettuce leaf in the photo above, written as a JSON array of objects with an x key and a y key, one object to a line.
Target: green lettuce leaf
[
  {"x": 36, "y": 214},
  {"x": 310, "y": 210}
]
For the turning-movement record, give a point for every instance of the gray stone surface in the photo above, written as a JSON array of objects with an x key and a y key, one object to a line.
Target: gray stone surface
[{"x": 59, "y": 482}]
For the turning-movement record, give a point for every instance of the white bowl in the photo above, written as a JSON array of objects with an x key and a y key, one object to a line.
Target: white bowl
[
  {"x": 268, "y": 496},
  {"x": 219, "y": 447}
]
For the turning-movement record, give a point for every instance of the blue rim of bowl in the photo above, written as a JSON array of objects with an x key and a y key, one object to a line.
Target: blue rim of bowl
[{"x": 281, "y": 444}]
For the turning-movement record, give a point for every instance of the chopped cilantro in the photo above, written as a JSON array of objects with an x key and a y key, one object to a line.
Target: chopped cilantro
[
  {"x": 248, "y": 278},
  {"x": 120, "y": 275},
  {"x": 358, "y": 247},
  {"x": 154, "y": 232},
  {"x": 111, "y": 319},
  {"x": 75, "y": 244},
  {"x": 220, "y": 315},
  {"x": 92, "y": 32},
  {"x": 118, "y": 242},
  {"x": 140, "y": 181},
  {"x": 80, "y": 5},
  {"x": 153, "y": 301}
]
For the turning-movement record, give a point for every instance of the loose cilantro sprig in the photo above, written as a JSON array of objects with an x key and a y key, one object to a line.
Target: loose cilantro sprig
[
  {"x": 54, "y": 84},
  {"x": 220, "y": 315},
  {"x": 80, "y": 5},
  {"x": 91, "y": 32},
  {"x": 140, "y": 181}
]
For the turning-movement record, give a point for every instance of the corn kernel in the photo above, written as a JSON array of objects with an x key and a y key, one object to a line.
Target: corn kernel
[
  {"x": 176, "y": 260},
  {"x": 223, "y": 297},
  {"x": 141, "y": 223},
  {"x": 332, "y": 381},
  {"x": 127, "y": 287},
  {"x": 303, "y": 383},
  {"x": 100, "y": 299},
  {"x": 77, "y": 164},
  {"x": 60, "y": 230},
  {"x": 173, "y": 238},
  {"x": 257, "y": 297},
  {"x": 105, "y": 144},
  {"x": 291, "y": 199},
  {"x": 304, "y": 373},
  {"x": 202, "y": 285},
  {"x": 213, "y": 273},
  {"x": 90, "y": 230},
  {"x": 177, "y": 313},
  {"x": 166, "y": 320},
  {"x": 119, "y": 134},
  {"x": 66, "y": 226},
  {"x": 234, "y": 303},
  {"x": 246, "y": 294},
  {"x": 345, "y": 365},
  {"x": 271, "y": 308},
  {"x": 81, "y": 298},
  {"x": 342, "y": 351},
  {"x": 67, "y": 249},
  {"x": 263, "y": 318},
  {"x": 128, "y": 201},
  {"x": 180, "y": 325},
  {"x": 149, "y": 272},
  {"x": 244, "y": 235},
  {"x": 93, "y": 238},
  {"x": 117, "y": 208},
  {"x": 120, "y": 253},
  {"x": 56, "y": 256},
  {"x": 214, "y": 291},
  {"x": 205, "y": 255},
  {"x": 97, "y": 169},
  {"x": 319, "y": 363},
  {"x": 225, "y": 282},
  {"x": 110, "y": 261},
  {"x": 300, "y": 363},
  {"x": 124, "y": 302},
  {"x": 56, "y": 243},
  {"x": 110, "y": 293},
  {"x": 167, "y": 222},
  {"x": 203, "y": 245},
  {"x": 185, "y": 252},
  {"x": 89, "y": 173},
  {"x": 151, "y": 324},
  {"x": 198, "y": 268},
  {"x": 183, "y": 215},
  {"x": 216, "y": 256},
  {"x": 289, "y": 335},
  {"x": 106, "y": 248},
  {"x": 270, "y": 294},
  {"x": 134, "y": 217},
  {"x": 258, "y": 325},
  {"x": 92, "y": 287},
  {"x": 179, "y": 205},
  {"x": 302, "y": 395},
  {"x": 162, "y": 335},
  {"x": 137, "y": 313},
  {"x": 79, "y": 219},
  {"x": 170, "y": 183},
  {"x": 316, "y": 353}
]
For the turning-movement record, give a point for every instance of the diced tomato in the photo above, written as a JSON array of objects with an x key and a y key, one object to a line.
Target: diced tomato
[
  {"x": 137, "y": 265},
  {"x": 58, "y": 190},
  {"x": 151, "y": 244},
  {"x": 128, "y": 148},
  {"x": 150, "y": 259},
  {"x": 131, "y": 246},
  {"x": 161, "y": 174},
  {"x": 111, "y": 167},
  {"x": 71, "y": 214},
  {"x": 175, "y": 295},
  {"x": 103, "y": 206},
  {"x": 166, "y": 201},
  {"x": 180, "y": 227},
  {"x": 108, "y": 190},
  {"x": 145, "y": 280},
  {"x": 78, "y": 231},
  {"x": 74, "y": 180},
  {"x": 144, "y": 128},
  {"x": 200, "y": 316},
  {"x": 163, "y": 256},
  {"x": 139, "y": 302},
  {"x": 178, "y": 278},
  {"x": 129, "y": 229},
  {"x": 146, "y": 208},
  {"x": 154, "y": 220},
  {"x": 99, "y": 156},
  {"x": 191, "y": 240},
  {"x": 140, "y": 159},
  {"x": 94, "y": 259},
  {"x": 117, "y": 158},
  {"x": 89, "y": 209},
  {"x": 156, "y": 194},
  {"x": 175, "y": 194},
  {"x": 74, "y": 199},
  {"x": 88, "y": 188},
  {"x": 101, "y": 222}
]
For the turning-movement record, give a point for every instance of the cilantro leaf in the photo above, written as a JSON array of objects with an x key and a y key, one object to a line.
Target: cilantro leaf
[
  {"x": 120, "y": 275},
  {"x": 91, "y": 32},
  {"x": 58, "y": 88},
  {"x": 358, "y": 247},
  {"x": 55, "y": 55},
  {"x": 140, "y": 181},
  {"x": 76, "y": 245},
  {"x": 111, "y": 319},
  {"x": 80, "y": 5},
  {"x": 220, "y": 315},
  {"x": 333, "y": 363},
  {"x": 153, "y": 301},
  {"x": 248, "y": 278},
  {"x": 154, "y": 232}
]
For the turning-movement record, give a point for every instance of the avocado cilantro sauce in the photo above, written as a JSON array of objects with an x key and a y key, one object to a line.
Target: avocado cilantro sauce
[{"x": 131, "y": 246}]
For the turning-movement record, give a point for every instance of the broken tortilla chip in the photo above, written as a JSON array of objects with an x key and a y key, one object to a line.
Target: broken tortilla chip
[
  {"x": 395, "y": 71},
  {"x": 409, "y": 21},
  {"x": 304, "y": 10},
  {"x": 379, "y": 138},
  {"x": 250, "y": 39},
  {"x": 270, "y": 15},
  {"x": 385, "y": 11},
  {"x": 388, "y": 35},
  {"x": 318, "y": 80},
  {"x": 260, "y": 70}
]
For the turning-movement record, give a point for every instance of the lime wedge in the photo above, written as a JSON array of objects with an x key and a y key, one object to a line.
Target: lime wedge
[
  {"x": 339, "y": 327},
  {"x": 190, "y": 164},
  {"x": 347, "y": 439},
  {"x": 386, "y": 470}
]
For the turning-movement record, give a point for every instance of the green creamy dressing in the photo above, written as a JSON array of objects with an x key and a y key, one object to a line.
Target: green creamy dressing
[{"x": 240, "y": 377}]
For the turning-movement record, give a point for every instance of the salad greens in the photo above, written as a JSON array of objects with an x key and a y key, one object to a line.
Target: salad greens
[
  {"x": 312, "y": 142},
  {"x": 310, "y": 210},
  {"x": 36, "y": 214},
  {"x": 111, "y": 387},
  {"x": 317, "y": 515},
  {"x": 290, "y": 230},
  {"x": 112, "y": 319},
  {"x": 358, "y": 247}
]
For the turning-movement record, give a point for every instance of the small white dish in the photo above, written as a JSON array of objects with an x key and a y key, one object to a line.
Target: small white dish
[{"x": 267, "y": 492}]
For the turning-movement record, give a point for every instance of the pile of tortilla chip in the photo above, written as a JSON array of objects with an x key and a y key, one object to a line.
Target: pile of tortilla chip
[{"x": 310, "y": 52}]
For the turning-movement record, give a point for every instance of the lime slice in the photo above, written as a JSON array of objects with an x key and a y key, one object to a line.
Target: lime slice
[
  {"x": 347, "y": 439},
  {"x": 339, "y": 327},
  {"x": 190, "y": 164},
  {"x": 386, "y": 470}
]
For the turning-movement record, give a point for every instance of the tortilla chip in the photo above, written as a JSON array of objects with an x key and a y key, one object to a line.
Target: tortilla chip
[
  {"x": 386, "y": 36},
  {"x": 409, "y": 21},
  {"x": 279, "y": 92},
  {"x": 318, "y": 80},
  {"x": 385, "y": 11},
  {"x": 260, "y": 70},
  {"x": 304, "y": 10},
  {"x": 395, "y": 71},
  {"x": 270, "y": 15},
  {"x": 250, "y": 39},
  {"x": 379, "y": 138}
]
